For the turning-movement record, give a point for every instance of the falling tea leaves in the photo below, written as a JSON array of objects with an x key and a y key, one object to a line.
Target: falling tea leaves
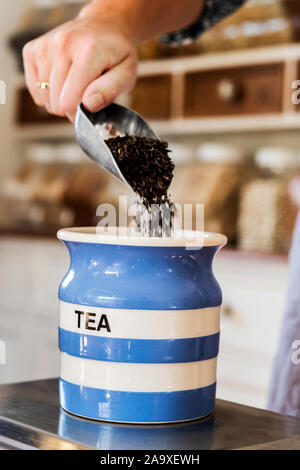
[{"x": 147, "y": 167}]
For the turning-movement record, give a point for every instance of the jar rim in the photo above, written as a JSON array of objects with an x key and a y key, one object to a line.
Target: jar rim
[{"x": 121, "y": 236}]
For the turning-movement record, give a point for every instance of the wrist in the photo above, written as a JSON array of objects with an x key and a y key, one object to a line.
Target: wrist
[
  {"x": 144, "y": 19},
  {"x": 111, "y": 12}
]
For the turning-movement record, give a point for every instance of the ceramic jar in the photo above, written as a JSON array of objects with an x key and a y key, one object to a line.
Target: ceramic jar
[{"x": 139, "y": 327}]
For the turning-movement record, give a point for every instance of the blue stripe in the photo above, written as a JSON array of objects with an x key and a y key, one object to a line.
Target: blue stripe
[
  {"x": 138, "y": 350},
  {"x": 140, "y": 278},
  {"x": 137, "y": 407}
]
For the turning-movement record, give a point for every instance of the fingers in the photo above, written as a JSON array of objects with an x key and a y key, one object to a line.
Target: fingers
[
  {"x": 58, "y": 76},
  {"x": 45, "y": 60},
  {"x": 81, "y": 63},
  {"x": 102, "y": 91},
  {"x": 44, "y": 71},
  {"x": 78, "y": 79},
  {"x": 31, "y": 73},
  {"x": 37, "y": 69}
]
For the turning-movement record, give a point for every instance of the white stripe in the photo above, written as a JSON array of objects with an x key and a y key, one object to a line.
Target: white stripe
[
  {"x": 143, "y": 324},
  {"x": 138, "y": 377}
]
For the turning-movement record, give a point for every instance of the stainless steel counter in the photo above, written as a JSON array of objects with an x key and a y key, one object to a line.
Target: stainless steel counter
[{"x": 30, "y": 417}]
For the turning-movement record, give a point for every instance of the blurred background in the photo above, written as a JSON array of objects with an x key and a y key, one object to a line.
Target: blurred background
[{"x": 224, "y": 104}]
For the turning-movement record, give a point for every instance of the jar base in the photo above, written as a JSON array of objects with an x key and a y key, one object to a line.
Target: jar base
[
  {"x": 137, "y": 408},
  {"x": 136, "y": 423}
]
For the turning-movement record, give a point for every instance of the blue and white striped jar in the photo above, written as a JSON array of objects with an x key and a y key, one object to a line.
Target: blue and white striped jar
[{"x": 139, "y": 328}]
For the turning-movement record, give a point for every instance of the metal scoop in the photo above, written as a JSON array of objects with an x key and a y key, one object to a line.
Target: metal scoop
[{"x": 93, "y": 129}]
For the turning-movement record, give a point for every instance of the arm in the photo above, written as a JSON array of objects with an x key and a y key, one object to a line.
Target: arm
[
  {"x": 92, "y": 59},
  {"x": 145, "y": 19}
]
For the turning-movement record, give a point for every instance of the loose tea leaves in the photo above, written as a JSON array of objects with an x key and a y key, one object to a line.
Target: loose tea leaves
[{"x": 146, "y": 165}]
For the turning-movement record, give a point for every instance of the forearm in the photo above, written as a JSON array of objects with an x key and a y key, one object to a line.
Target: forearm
[{"x": 144, "y": 19}]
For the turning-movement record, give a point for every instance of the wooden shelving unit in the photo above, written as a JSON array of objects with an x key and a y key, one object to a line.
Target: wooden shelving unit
[
  {"x": 287, "y": 119},
  {"x": 288, "y": 56}
]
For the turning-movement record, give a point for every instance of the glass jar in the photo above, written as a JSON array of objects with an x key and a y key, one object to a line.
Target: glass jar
[
  {"x": 213, "y": 178},
  {"x": 267, "y": 213}
]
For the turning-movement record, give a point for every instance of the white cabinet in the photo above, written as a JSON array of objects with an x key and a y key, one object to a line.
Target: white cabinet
[
  {"x": 30, "y": 273},
  {"x": 254, "y": 289}
]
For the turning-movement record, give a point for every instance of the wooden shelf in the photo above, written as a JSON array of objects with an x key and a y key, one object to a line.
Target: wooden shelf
[
  {"x": 211, "y": 61},
  {"x": 255, "y": 123},
  {"x": 288, "y": 119},
  {"x": 173, "y": 127},
  {"x": 43, "y": 132}
]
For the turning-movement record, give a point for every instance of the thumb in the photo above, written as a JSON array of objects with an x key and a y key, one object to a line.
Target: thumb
[{"x": 105, "y": 89}]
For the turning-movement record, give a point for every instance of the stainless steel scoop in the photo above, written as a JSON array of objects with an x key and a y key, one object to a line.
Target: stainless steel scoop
[{"x": 93, "y": 129}]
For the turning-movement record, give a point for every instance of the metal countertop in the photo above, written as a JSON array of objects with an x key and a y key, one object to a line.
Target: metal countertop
[{"x": 30, "y": 418}]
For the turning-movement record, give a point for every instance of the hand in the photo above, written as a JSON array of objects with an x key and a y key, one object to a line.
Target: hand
[{"x": 91, "y": 59}]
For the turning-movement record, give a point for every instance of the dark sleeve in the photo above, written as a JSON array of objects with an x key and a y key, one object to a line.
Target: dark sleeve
[{"x": 213, "y": 12}]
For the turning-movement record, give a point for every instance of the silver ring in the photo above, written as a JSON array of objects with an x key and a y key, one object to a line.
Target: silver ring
[{"x": 43, "y": 85}]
